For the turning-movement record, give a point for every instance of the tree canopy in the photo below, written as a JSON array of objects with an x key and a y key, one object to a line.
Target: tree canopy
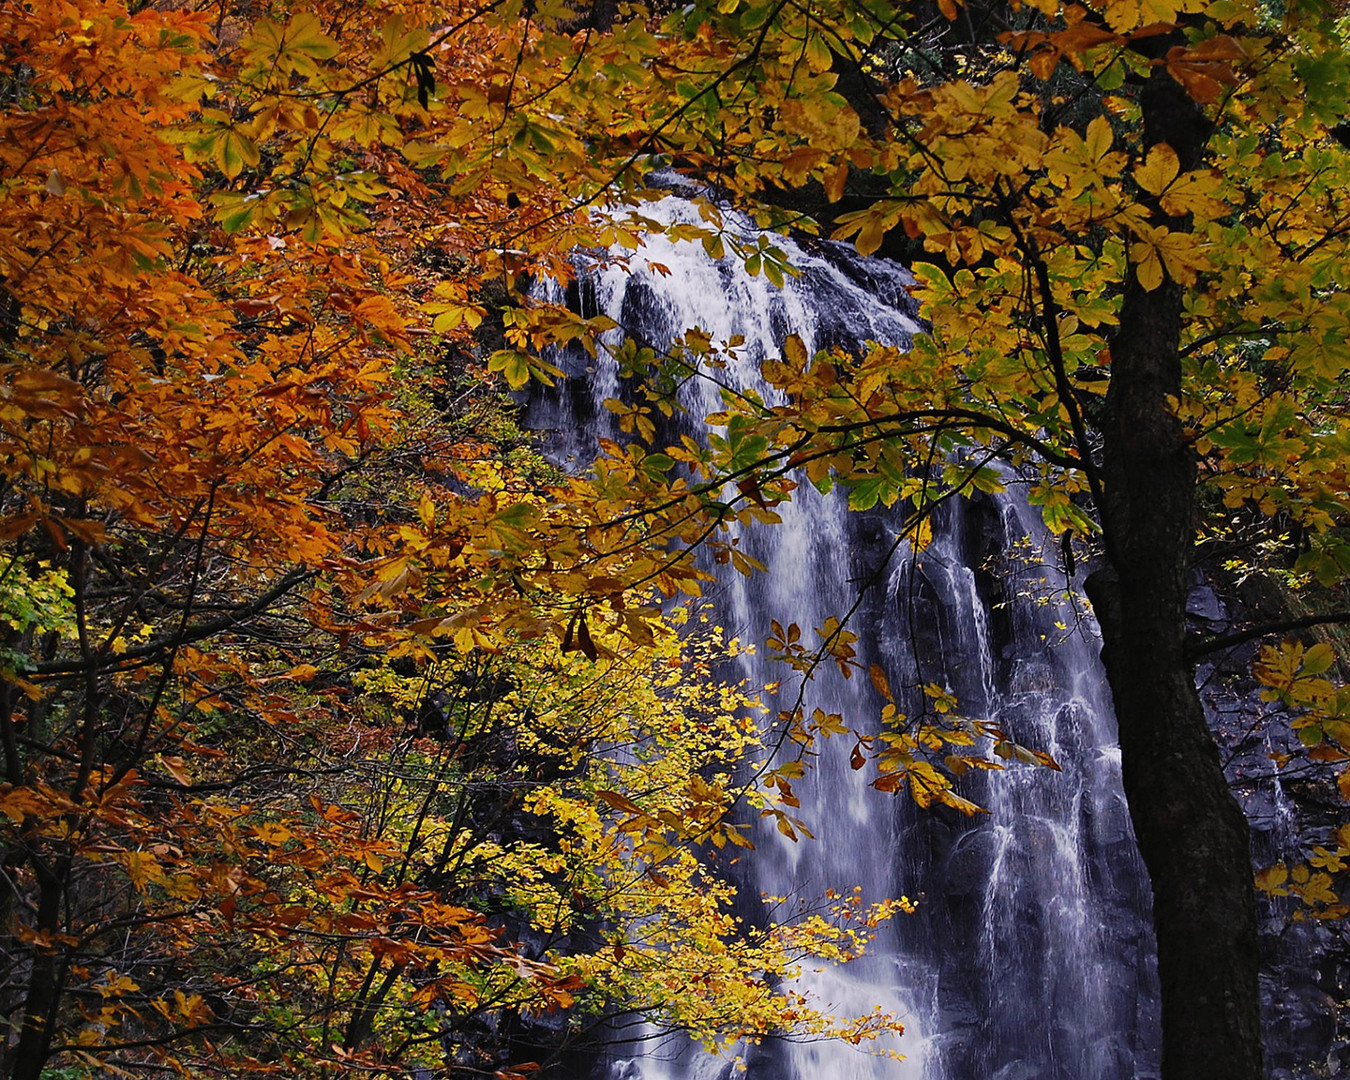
[{"x": 298, "y": 628}]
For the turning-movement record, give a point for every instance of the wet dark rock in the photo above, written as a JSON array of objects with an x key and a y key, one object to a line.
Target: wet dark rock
[
  {"x": 1031, "y": 675},
  {"x": 1023, "y": 1070},
  {"x": 1204, "y": 603},
  {"x": 958, "y": 1010},
  {"x": 1306, "y": 1023},
  {"x": 969, "y": 864}
]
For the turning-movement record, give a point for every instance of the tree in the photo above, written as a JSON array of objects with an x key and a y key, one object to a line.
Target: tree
[
  {"x": 1139, "y": 225},
  {"x": 256, "y": 543},
  {"x": 214, "y": 250},
  {"x": 1140, "y": 289}
]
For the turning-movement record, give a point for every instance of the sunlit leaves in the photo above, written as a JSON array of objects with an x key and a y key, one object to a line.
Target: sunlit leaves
[
  {"x": 293, "y": 49},
  {"x": 1272, "y": 880},
  {"x": 399, "y": 42},
  {"x": 1179, "y": 194},
  {"x": 1158, "y": 170},
  {"x": 869, "y": 227},
  {"x": 1314, "y": 882},
  {"x": 226, "y": 146},
  {"x": 513, "y": 365},
  {"x": 1157, "y": 251},
  {"x": 827, "y": 124},
  {"x": 1124, "y": 15},
  {"x": 1076, "y": 162},
  {"x": 223, "y": 263}
]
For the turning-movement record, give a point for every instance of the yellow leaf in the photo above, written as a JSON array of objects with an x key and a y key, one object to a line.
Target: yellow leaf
[
  {"x": 399, "y": 41},
  {"x": 1191, "y": 193},
  {"x": 1158, "y": 170},
  {"x": 273, "y": 834},
  {"x": 1149, "y": 271},
  {"x": 880, "y": 681},
  {"x": 618, "y": 801},
  {"x": 1157, "y": 249},
  {"x": 1099, "y": 138},
  {"x": 817, "y": 53},
  {"x": 1317, "y": 659},
  {"x": 827, "y": 125},
  {"x": 834, "y": 182},
  {"x": 233, "y": 150},
  {"x": 1124, "y": 15}
]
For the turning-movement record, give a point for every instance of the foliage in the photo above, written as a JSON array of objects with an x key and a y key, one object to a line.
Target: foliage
[
  {"x": 1136, "y": 271},
  {"x": 1029, "y": 174},
  {"x": 258, "y": 262},
  {"x": 1135, "y": 277},
  {"x": 260, "y": 515},
  {"x": 1316, "y": 882}
]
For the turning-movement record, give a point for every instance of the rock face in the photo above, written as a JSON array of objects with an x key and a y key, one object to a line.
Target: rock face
[{"x": 1305, "y": 980}]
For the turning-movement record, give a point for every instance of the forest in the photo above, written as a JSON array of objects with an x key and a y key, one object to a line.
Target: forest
[{"x": 348, "y": 731}]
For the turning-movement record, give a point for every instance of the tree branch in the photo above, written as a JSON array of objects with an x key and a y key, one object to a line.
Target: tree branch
[
  {"x": 187, "y": 634},
  {"x": 1204, "y": 646}
]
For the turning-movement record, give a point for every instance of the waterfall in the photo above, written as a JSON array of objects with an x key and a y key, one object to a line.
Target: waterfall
[{"x": 1030, "y": 955}]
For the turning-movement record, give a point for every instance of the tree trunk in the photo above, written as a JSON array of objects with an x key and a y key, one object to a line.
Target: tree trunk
[
  {"x": 1191, "y": 832},
  {"x": 43, "y": 997}
]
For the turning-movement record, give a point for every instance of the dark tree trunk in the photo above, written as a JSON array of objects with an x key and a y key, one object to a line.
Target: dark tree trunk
[
  {"x": 1191, "y": 831},
  {"x": 45, "y": 982}
]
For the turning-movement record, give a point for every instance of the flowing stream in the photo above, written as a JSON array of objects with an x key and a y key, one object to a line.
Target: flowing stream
[{"x": 1030, "y": 956}]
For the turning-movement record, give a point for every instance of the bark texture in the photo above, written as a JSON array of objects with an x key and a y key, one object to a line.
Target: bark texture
[{"x": 1191, "y": 832}]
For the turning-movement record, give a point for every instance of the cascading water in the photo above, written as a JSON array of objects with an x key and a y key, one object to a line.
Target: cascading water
[{"x": 1030, "y": 955}]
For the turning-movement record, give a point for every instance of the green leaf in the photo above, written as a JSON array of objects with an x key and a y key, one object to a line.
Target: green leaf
[
  {"x": 865, "y": 494},
  {"x": 521, "y": 515},
  {"x": 1317, "y": 659},
  {"x": 514, "y": 367},
  {"x": 233, "y": 150}
]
